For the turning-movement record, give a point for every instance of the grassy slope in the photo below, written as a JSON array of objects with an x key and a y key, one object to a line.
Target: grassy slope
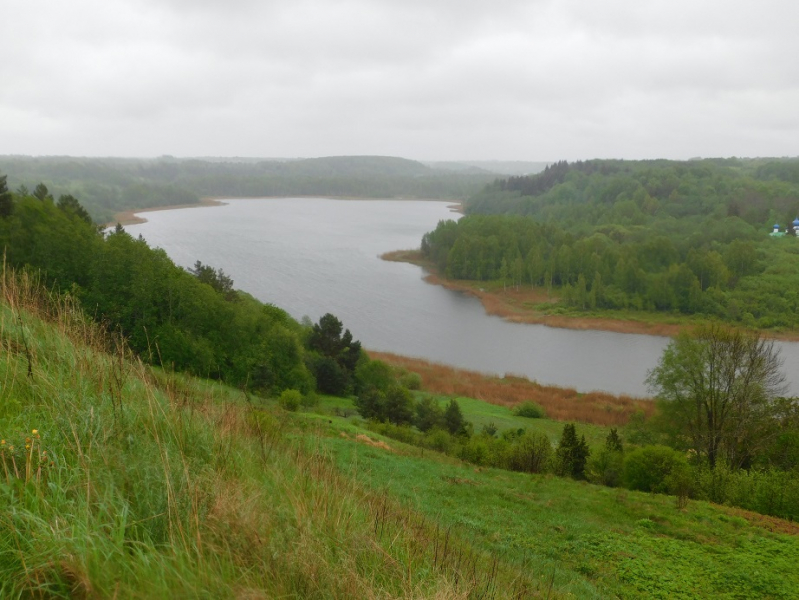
[
  {"x": 157, "y": 485},
  {"x": 140, "y": 484}
]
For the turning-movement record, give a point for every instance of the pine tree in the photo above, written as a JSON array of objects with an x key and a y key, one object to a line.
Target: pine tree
[{"x": 572, "y": 453}]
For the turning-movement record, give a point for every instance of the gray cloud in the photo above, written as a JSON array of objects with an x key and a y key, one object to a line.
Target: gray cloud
[{"x": 423, "y": 79}]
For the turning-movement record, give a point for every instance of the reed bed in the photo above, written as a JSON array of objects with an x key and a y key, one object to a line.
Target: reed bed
[{"x": 562, "y": 404}]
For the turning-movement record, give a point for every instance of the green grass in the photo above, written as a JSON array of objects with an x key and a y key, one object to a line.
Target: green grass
[
  {"x": 596, "y": 542},
  {"x": 482, "y": 413},
  {"x": 157, "y": 485}
]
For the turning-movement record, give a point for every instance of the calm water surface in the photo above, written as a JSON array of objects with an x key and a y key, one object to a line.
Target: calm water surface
[{"x": 312, "y": 256}]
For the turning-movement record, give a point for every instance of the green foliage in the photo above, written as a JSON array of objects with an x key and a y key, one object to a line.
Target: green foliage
[
  {"x": 453, "y": 419},
  {"x": 429, "y": 414},
  {"x": 217, "y": 279},
  {"x": 6, "y": 198},
  {"x": 588, "y": 230},
  {"x": 532, "y": 453},
  {"x": 111, "y": 185},
  {"x": 717, "y": 388},
  {"x": 336, "y": 355},
  {"x": 411, "y": 380},
  {"x": 168, "y": 316},
  {"x": 290, "y": 400},
  {"x": 572, "y": 453},
  {"x": 654, "y": 469},
  {"x": 613, "y": 441},
  {"x": 130, "y": 481},
  {"x": 530, "y": 410}
]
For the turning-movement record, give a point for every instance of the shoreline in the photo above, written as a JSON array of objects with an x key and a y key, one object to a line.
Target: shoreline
[
  {"x": 519, "y": 306},
  {"x": 560, "y": 403},
  {"x": 130, "y": 216}
]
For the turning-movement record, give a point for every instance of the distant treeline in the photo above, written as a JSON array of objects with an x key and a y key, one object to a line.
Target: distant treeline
[
  {"x": 689, "y": 237},
  {"x": 109, "y": 185}
]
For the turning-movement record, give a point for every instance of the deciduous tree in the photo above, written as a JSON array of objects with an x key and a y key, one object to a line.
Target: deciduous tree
[{"x": 718, "y": 386}]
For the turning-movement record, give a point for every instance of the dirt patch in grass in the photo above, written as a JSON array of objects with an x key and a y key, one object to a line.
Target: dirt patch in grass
[
  {"x": 562, "y": 404},
  {"x": 365, "y": 439},
  {"x": 773, "y": 524}
]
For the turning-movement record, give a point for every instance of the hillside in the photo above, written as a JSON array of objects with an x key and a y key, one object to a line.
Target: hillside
[
  {"x": 657, "y": 242},
  {"x": 107, "y": 186},
  {"x": 123, "y": 480}
]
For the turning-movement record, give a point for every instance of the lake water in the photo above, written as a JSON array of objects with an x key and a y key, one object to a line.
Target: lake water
[{"x": 311, "y": 256}]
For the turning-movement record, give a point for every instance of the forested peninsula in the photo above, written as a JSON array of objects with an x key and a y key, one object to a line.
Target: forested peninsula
[{"x": 656, "y": 244}]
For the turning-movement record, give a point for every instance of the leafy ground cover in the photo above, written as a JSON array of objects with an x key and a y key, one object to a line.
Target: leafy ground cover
[{"x": 589, "y": 541}]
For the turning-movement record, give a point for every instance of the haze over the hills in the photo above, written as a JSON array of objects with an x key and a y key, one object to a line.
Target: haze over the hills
[{"x": 436, "y": 81}]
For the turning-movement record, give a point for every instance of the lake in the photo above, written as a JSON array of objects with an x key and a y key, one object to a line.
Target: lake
[{"x": 311, "y": 256}]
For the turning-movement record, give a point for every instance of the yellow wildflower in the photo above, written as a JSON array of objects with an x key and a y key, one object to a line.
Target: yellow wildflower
[
  {"x": 35, "y": 432},
  {"x": 2, "y": 442}
]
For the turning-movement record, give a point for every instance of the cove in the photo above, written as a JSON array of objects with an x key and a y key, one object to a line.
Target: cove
[{"x": 316, "y": 255}]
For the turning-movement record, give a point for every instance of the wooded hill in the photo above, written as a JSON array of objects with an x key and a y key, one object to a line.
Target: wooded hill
[
  {"x": 681, "y": 237},
  {"x": 109, "y": 185}
]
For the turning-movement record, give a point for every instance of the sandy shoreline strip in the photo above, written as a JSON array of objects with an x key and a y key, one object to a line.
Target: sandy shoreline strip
[
  {"x": 130, "y": 217},
  {"x": 520, "y": 306}
]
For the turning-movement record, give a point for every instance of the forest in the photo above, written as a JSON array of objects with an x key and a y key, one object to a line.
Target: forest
[
  {"x": 685, "y": 238},
  {"x": 191, "y": 321},
  {"x": 107, "y": 186}
]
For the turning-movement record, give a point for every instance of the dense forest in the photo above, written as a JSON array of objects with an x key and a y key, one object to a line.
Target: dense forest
[
  {"x": 184, "y": 320},
  {"x": 680, "y": 237},
  {"x": 109, "y": 185}
]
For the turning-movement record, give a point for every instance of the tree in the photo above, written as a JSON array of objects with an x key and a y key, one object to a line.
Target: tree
[
  {"x": 453, "y": 418},
  {"x": 217, "y": 279},
  {"x": 428, "y": 414},
  {"x": 718, "y": 386},
  {"x": 572, "y": 453},
  {"x": 6, "y": 199},
  {"x": 69, "y": 204},
  {"x": 328, "y": 342},
  {"x": 41, "y": 192}
]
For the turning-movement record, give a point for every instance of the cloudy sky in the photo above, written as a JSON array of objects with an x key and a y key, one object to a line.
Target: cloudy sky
[{"x": 424, "y": 79}]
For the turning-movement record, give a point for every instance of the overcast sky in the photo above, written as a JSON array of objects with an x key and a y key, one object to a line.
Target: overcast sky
[{"x": 423, "y": 79}]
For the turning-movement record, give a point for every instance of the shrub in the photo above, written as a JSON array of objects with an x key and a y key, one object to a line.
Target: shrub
[
  {"x": 531, "y": 453},
  {"x": 531, "y": 410},
  {"x": 411, "y": 380},
  {"x": 490, "y": 429},
  {"x": 310, "y": 400},
  {"x": 290, "y": 400},
  {"x": 439, "y": 440},
  {"x": 655, "y": 469},
  {"x": 606, "y": 468},
  {"x": 475, "y": 451}
]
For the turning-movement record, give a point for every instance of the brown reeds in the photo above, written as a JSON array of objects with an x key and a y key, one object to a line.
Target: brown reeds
[{"x": 561, "y": 404}]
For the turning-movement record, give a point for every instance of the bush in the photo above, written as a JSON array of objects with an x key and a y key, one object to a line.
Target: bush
[
  {"x": 290, "y": 400},
  {"x": 655, "y": 469},
  {"x": 606, "y": 468},
  {"x": 531, "y": 410},
  {"x": 410, "y": 380},
  {"x": 532, "y": 453}
]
